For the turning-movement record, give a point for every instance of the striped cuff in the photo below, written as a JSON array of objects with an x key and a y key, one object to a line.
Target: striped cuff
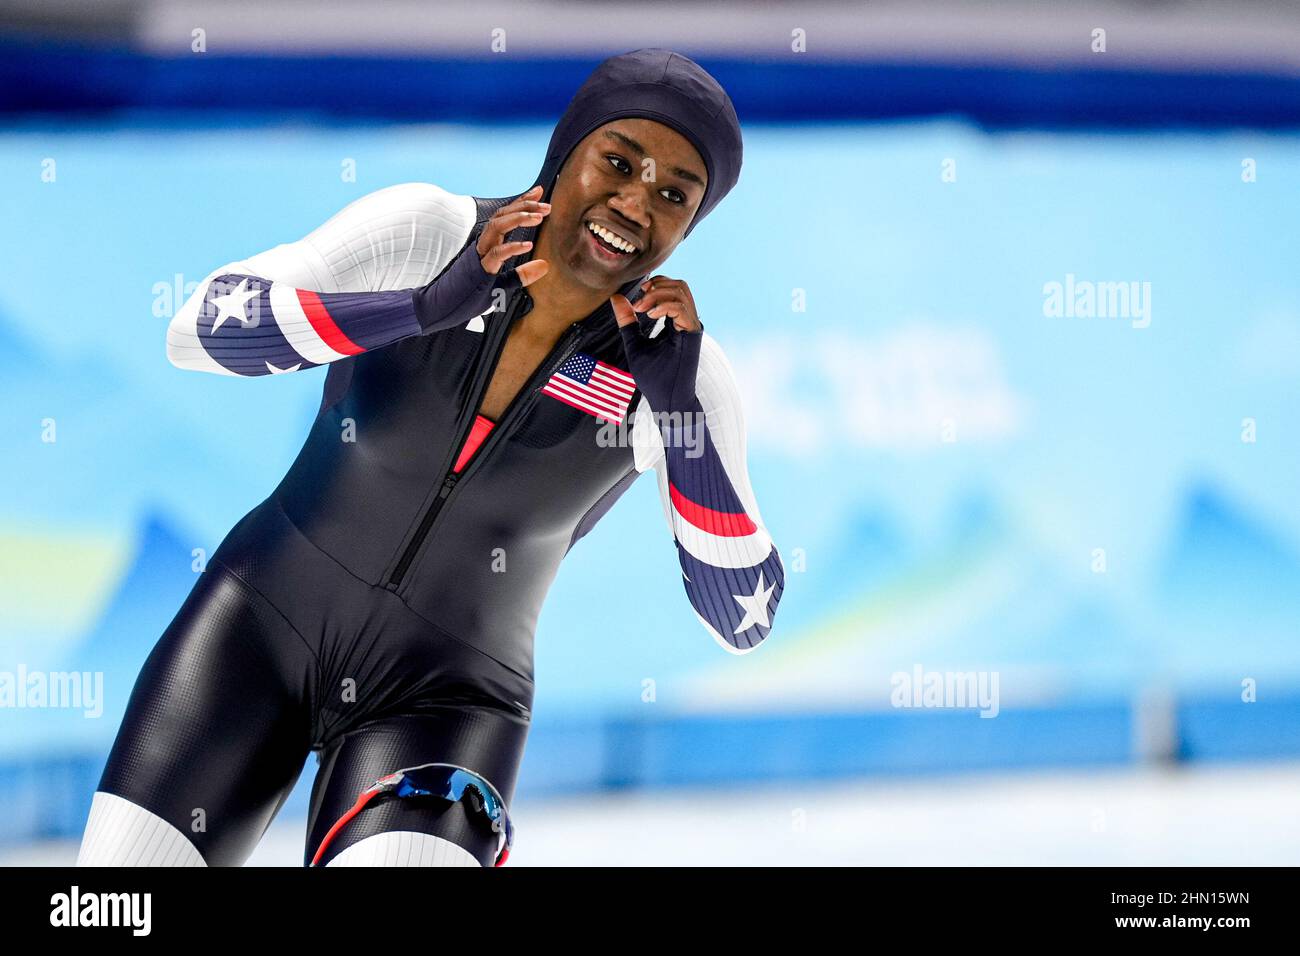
[{"x": 246, "y": 325}]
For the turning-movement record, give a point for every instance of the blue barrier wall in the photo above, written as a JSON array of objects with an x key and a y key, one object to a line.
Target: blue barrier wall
[{"x": 61, "y": 77}]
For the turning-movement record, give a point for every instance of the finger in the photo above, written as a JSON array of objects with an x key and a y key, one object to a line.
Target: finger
[
  {"x": 533, "y": 195},
  {"x": 499, "y": 224},
  {"x": 672, "y": 307},
  {"x": 623, "y": 313},
  {"x": 663, "y": 289},
  {"x": 498, "y": 254},
  {"x": 523, "y": 205},
  {"x": 682, "y": 315},
  {"x": 657, "y": 297},
  {"x": 661, "y": 282},
  {"x": 646, "y": 301},
  {"x": 528, "y": 214},
  {"x": 530, "y": 272}
]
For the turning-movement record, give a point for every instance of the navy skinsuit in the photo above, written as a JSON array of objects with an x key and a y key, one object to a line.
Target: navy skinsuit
[
  {"x": 320, "y": 604},
  {"x": 379, "y": 609}
]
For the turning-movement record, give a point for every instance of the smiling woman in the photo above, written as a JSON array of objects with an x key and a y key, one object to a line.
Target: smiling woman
[
  {"x": 473, "y": 347},
  {"x": 622, "y": 202}
]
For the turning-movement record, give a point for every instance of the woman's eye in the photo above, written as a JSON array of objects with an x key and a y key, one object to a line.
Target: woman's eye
[{"x": 674, "y": 196}]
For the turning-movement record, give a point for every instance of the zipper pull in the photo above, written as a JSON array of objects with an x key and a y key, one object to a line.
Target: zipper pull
[
  {"x": 448, "y": 483},
  {"x": 567, "y": 350}
]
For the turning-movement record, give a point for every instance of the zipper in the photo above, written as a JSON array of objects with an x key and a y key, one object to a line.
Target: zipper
[
  {"x": 558, "y": 355},
  {"x": 522, "y": 401},
  {"x": 471, "y": 406}
]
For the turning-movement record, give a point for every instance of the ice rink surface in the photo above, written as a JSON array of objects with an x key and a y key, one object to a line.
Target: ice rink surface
[{"x": 1224, "y": 815}]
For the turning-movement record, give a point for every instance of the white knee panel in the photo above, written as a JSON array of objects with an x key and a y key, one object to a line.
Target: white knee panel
[
  {"x": 120, "y": 833},
  {"x": 404, "y": 848}
]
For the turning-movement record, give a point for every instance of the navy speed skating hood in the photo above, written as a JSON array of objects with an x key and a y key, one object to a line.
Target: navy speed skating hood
[
  {"x": 653, "y": 84},
  {"x": 663, "y": 86}
]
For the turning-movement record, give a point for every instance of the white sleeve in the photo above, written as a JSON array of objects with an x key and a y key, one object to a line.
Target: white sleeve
[
  {"x": 394, "y": 238},
  {"x": 715, "y": 387},
  {"x": 730, "y": 567},
  {"x": 399, "y": 237}
]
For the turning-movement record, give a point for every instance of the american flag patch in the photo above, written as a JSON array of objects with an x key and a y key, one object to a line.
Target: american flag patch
[{"x": 592, "y": 386}]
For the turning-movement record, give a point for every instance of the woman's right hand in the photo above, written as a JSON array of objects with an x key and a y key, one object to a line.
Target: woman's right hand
[
  {"x": 474, "y": 285},
  {"x": 493, "y": 251}
]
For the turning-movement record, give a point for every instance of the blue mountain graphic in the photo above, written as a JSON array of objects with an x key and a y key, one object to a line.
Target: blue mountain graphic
[
  {"x": 977, "y": 517},
  {"x": 155, "y": 584},
  {"x": 868, "y": 551},
  {"x": 18, "y": 353},
  {"x": 1221, "y": 558},
  {"x": 1227, "y": 599}
]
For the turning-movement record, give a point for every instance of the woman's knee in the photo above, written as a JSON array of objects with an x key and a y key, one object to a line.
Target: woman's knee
[
  {"x": 448, "y": 823},
  {"x": 404, "y": 848},
  {"x": 121, "y": 833}
]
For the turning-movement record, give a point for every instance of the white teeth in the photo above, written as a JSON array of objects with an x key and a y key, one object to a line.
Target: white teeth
[{"x": 621, "y": 244}]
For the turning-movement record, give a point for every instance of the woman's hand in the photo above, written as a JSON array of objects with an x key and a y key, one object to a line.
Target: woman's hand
[
  {"x": 664, "y": 296},
  {"x": 493, "y": 251},
  {"x": 663, "y": 367},
  {"x": 474, "y": 285}
]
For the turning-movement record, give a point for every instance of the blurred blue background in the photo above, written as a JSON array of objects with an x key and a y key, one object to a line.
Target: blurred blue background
[{"x": 1100, "y": 511}]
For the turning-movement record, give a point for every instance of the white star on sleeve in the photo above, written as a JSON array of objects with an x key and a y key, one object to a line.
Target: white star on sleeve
[
  {"x": 231, "y": 305},
  {"x": 755, "y": 606}
]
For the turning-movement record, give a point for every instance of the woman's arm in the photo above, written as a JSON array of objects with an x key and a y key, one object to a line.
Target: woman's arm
[
  {"x": 246, "y": 325},
  {"x": 349, "y": 286},
  {"x": 731, "y": 569}
]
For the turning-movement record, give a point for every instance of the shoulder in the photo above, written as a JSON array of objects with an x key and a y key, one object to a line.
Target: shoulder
[
  {"x": 420, "y": 205},
  {"x": 715, "y": 379},
  {"x": 398, "y": 237}
]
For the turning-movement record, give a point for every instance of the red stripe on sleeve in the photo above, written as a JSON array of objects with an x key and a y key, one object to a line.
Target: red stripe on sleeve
[
  {"x": 325, "y": 327},
  {"x": 722, "y": 523}
]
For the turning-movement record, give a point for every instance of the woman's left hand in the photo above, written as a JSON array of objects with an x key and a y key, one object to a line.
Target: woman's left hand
[
  {"x": 663, "y": 367},
  {"x": 671, "y": 297}
]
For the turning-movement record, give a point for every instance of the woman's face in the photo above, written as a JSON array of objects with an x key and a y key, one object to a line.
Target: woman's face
[{"x": 637, "y": 181}]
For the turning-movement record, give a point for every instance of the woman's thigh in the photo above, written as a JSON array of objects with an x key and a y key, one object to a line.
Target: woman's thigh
[
  {"x": 485, "y": 740},
  {"x": 219, "y": 723}
]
